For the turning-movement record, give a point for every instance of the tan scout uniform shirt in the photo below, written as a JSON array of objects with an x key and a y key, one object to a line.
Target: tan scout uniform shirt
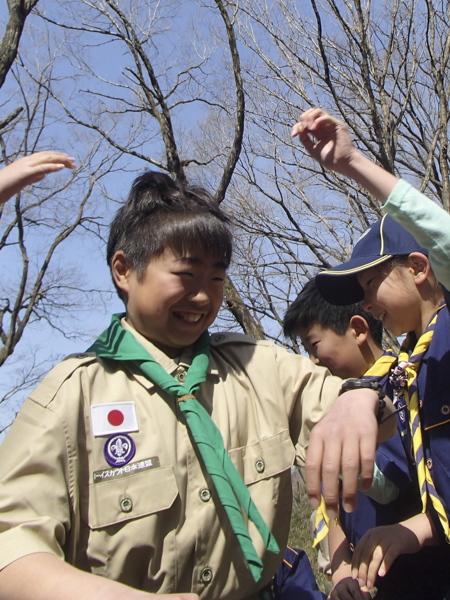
[{"x": 156, "y": 526}]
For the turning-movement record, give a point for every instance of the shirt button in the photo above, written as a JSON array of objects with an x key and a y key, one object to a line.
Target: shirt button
[
  {"x": 219, "y": 338},
  {"x": 260, "y": 466},
  {"x": 429, "y": 463},
  {"x": 445, "y": 409},
  {"x": 181, "y": 377},
  {"x": 205, "y": 495},
  {"x": 126, "y": 505},
  {"x": 206, "y": 575}
]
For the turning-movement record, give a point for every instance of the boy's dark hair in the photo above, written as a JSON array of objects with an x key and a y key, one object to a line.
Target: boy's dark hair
[
  {"x": 161, "y": 213},
  {"x": 310, "y": 307}
]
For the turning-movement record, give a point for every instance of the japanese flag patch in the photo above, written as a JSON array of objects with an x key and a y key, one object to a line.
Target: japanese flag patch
[{"x": 117, "y": 417}]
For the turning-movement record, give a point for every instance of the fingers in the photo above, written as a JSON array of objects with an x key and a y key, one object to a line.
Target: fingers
[
  {"x": 323, "y": 465},
  {"x": 313, "y": 467},
  {"x": 331, "y": 468},
  {"x": 345, "y": 438},
  {"x": 350, "y": 473},
  {"x": 31, "y": 169},
  {"x": 369, "y": 557},
  {"x": 348, "y": 589},
  {"x": 314, "y": 120},
  {"x": 368, "y": 448},
  {"x": 48, "y": 161}
]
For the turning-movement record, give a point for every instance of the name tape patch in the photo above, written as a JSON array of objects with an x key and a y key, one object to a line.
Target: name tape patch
[{"x": 118, "y": 472}]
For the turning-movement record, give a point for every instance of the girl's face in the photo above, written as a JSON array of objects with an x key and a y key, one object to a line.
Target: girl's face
[{"x": 391, "y": 295}]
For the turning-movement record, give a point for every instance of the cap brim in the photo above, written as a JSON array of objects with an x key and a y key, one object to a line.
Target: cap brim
[{"x": 340, "y": 285}]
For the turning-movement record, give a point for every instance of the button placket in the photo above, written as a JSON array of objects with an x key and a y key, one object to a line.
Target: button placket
[
  {"x": 205, "y": 495},
  {"x": 260, "y": 465},
  {"x": 206, "y": 575},
  {"x": 126, "y": 505}
]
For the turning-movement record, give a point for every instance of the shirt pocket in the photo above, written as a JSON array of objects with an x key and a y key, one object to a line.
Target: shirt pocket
[
  {"x": 130, "y": 497},
  {"x": 265, "y": 459},
  {"x": 127, "y": 526}
]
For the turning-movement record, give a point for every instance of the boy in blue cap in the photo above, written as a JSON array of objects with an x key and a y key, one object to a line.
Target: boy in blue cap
[{"x": 391, "y": 272}]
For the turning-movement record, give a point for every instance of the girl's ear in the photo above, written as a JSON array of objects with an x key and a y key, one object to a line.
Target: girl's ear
[
  {"x": 360, "y": 329},
  {"x": 420, "y": 266},
  {"x": 120, "y": 269}
]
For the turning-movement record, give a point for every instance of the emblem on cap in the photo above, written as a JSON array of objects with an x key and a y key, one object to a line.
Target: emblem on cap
[{"x": 119, "y": 449}]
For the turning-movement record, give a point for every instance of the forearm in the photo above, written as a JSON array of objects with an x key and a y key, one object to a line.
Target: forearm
[
  {"x": 376, "y": 180},
  {"x": 340, "y": 554},
  {"x": 421, "y": 526},
  {"x": 43, "y": 576}
]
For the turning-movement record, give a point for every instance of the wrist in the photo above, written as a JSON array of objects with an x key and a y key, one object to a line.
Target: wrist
[
  {"x": 342, "y": 572},
  {"x": 370, "y": 176},
  {"x": 422, "y": 527},
  {"x": 369, "y": 384}
]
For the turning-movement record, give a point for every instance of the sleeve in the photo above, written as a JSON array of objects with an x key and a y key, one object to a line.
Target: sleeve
[
  {"x": 310, "y": 392},
  {"x": 382, "y": 489},
  {"x": 427, "y": 222},
  {"x": 37, "y": 466}
]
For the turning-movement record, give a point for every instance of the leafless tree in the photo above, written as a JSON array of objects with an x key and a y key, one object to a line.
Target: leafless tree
[
  {"x": 18, "y": 11},
  {"x": 175, "y": 101},
  {"x": 170, "y": 72},
  {"x": 383, "y": 68},
  {"x": 40, "y": 283}
]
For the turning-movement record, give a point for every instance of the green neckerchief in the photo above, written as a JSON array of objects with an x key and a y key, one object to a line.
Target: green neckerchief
[{"x": 116, "y": 343}]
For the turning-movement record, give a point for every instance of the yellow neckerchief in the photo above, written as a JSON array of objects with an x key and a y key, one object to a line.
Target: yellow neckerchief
[{"x": 412, "y": 366}]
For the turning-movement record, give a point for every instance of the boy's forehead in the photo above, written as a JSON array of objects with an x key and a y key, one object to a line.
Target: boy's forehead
[
  {"x": 368, "y": 273},
  {"x": 309, "y": 330},
  {"x": 199, "y": 260}
]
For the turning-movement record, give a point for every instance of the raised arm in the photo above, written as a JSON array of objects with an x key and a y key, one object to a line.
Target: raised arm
[
  {"x": 31, "y": 169},
  {"x": 327, "y": 141}
]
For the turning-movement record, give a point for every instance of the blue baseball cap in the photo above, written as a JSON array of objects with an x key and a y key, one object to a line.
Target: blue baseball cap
[{"x": 380, "y": 242}]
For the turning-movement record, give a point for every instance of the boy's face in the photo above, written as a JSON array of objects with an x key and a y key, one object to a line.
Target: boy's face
[
  {"x": 339, "y": 353},
  {"x": 391, "y": 295},
  {"x": 176, "y": 299}
]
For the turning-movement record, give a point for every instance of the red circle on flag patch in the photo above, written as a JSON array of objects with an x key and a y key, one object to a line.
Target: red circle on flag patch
[{"x": 115, "y": 417}]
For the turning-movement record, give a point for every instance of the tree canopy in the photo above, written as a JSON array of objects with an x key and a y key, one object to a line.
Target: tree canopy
[{"x": 209, "y": 91}]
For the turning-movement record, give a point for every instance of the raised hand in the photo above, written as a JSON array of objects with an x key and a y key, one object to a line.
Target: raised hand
[{"x": 31, "y": 169}]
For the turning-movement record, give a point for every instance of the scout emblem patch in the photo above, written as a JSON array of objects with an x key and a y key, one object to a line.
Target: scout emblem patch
[
  {"x": 119, "y": 449},
  {"x": 114, "y": 417}
]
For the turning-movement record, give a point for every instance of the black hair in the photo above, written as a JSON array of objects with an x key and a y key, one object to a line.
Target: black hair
[
  {"x": 310, "y": 307},
  {"x": 161, "y": 213}
]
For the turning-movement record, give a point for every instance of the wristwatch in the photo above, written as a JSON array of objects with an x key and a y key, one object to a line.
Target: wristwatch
[{"x": 370, "y": 384}]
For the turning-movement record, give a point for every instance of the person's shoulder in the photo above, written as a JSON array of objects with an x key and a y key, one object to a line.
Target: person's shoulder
[
  {"x": 59, "y": 374},
  {"x": 222, "y": 338}
]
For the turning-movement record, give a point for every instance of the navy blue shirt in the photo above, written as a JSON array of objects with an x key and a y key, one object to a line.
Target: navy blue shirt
[{"x": 425, "y": 574}]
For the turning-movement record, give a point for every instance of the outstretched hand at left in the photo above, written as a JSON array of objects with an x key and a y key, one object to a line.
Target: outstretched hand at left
[{"x": 31, "y": 169}]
